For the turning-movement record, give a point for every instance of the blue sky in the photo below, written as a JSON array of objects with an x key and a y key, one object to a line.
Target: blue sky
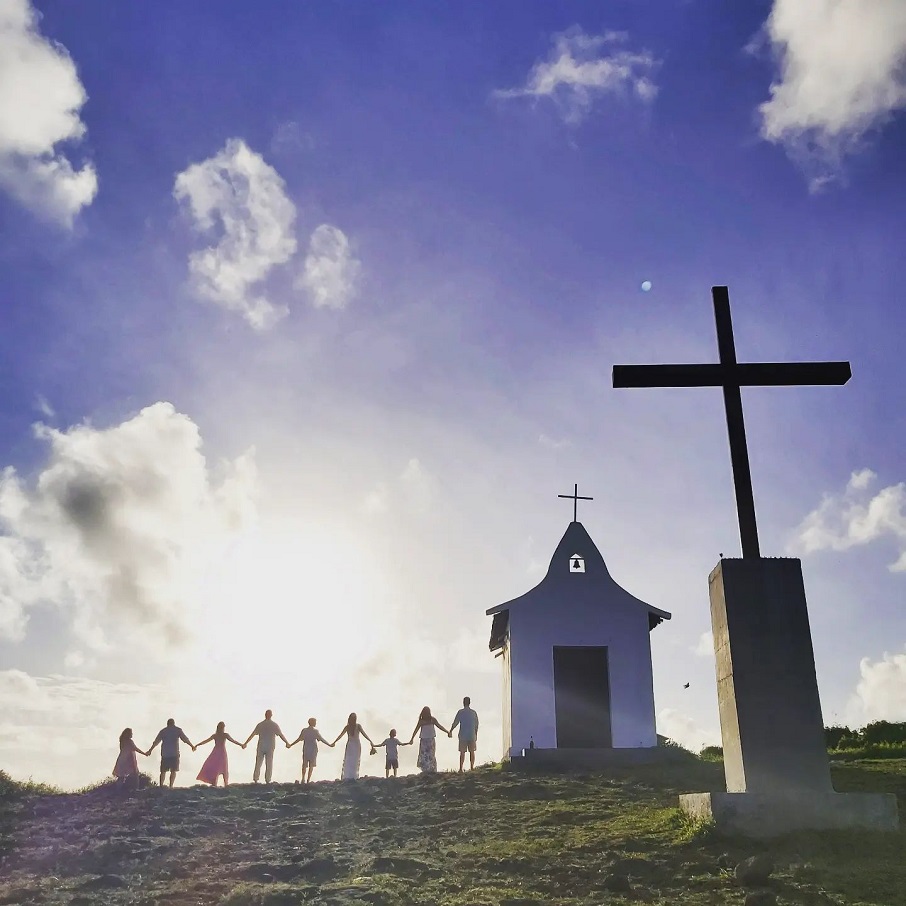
[{"x": 318, "y": 311}]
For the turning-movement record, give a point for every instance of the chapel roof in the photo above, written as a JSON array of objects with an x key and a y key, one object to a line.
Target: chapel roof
[{"x": 575, "y": 541}]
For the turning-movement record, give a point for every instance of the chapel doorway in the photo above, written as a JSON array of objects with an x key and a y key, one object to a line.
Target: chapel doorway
[{"x": 582, "y": 697}]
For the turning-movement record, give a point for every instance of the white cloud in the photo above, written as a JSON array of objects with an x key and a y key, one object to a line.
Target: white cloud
[
  {"x": 243, "y": 199},
  {"x": 582, "y": 68},
  {"x": 117, "y": 526},
  {"x": 40, "y": 102},
  {"x": 842, "y": 73},
  {"x": 83, "y": 717},
  {"x": 705, "y": 645},
  {"x": 881, "y": 691},
  {"x": 44, "y": 407},
  {"x": 553, "y": 444},
  {"x": 854, "y": 518},
  {"x": 414, "y": 490},
  {"x": 330, "y": 272},
  {"x": 685, "y": 730}
]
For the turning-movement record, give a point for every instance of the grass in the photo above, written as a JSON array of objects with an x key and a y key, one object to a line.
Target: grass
[{"x": 492, "y": 838}]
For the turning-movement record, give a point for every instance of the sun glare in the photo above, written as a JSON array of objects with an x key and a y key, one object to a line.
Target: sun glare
[{"x": 293, "y": 596}]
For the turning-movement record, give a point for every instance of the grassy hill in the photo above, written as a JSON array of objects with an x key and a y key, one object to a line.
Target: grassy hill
[{"x": 492, "y": 837}]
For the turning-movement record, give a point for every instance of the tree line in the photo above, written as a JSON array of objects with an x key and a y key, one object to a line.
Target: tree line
[{"x": 880, "y": 738}]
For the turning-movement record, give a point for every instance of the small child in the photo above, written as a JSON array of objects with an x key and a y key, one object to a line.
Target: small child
[
  {"x": 392, "y": 744},
  {"x": 310, "y": 737}
]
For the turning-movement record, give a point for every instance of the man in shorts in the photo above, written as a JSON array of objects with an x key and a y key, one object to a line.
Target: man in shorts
[
  {"x": 309, "y": 737},
  {"x": 169, "y": 739},
  {"x": 267, "y": 732},
  {"x": 467, "y": 721}
]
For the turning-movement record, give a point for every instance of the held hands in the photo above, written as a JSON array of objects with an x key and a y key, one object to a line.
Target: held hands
[
  {"x": 373, "y": 750},
  {"x": 450, "y": 734},
  {"x": 244, "y": 745}
]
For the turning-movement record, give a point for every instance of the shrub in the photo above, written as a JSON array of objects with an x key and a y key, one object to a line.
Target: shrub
[
  {"x": 882, "y": 732},
  {"x": 712, "y": 753}
]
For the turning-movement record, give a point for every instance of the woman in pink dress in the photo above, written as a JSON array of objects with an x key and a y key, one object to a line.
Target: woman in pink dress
[
  {"x": 127, "y": 764},
  {"x": 216, "y": 763}
]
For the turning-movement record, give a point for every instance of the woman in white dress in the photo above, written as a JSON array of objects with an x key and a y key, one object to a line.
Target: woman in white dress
[
  {"x": 353, "y": 756},
  {"x": 427, "y": 750}
]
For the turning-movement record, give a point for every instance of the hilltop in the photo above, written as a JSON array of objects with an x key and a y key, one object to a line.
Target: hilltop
[{"x": 492, "y": 837}]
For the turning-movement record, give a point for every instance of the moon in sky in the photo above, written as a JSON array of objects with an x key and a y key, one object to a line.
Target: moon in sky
[{"x": 646, "y": 286}]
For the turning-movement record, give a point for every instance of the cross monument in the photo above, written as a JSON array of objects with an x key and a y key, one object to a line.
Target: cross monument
[
  {"x": 775, "y": 756},
  {"x": 731, "y": 375}
]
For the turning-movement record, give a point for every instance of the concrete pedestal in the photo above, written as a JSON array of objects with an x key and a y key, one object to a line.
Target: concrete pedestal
[
  {"x": 775, "y": 756},
  {"x": 766, "y": 815}
]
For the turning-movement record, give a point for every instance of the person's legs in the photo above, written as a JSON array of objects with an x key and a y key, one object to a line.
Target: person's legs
[
  {"x": 472, "y": 758},
  {"x": 172, "y": 778},
  {"x": 163, "y": 774},
  {"x": 226, "y": 778},
  {"x": 311, "y": 768},
  {"x": 259, "y": 758},
  {"x": 268, "y": 766}
]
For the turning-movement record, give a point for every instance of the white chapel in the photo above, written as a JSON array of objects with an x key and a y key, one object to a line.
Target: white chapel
[{"x": 576, "y": 657}]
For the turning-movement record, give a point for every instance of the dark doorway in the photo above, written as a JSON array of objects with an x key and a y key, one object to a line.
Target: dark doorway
[{"x": 582, "y": 698}]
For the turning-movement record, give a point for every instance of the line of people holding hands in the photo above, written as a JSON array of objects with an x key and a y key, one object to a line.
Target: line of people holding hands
[{"x": 216, "y": 765}]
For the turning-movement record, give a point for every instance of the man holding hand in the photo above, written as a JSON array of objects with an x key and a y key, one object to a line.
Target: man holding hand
[
  {"x": 267, "y": 732},
  {"x": 467, "y": 721}
]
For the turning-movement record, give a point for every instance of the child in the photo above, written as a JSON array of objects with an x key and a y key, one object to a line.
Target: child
[
  {"x": 127, "y": 764},
  {"x": 310, "y": 738},
  {"x": 392, "y": 744}
]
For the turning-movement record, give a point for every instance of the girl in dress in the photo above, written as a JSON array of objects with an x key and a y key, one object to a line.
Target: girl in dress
[
  {"x": 127, "y": 764},
  {"x": 353, "y": 756},
  {"x": 216, "y": 764},
  {"x": 427, "y": 751}
]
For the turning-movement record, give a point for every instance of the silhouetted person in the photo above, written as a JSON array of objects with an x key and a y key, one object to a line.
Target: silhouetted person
[
  {"x": 126, "y": 766},
  {"x": 427, "y": 747},
  {"x": 169, "y": 739},
  {"x": 267, "y": 732},
  {"x": 467, "y": 721},
  {"x": 352, "y": 758},
  {"x": 392, "y": 744},
  {"x": 309, "y": 738},
  {"x": 217, "y": 764}
]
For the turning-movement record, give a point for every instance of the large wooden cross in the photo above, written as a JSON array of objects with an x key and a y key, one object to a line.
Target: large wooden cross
[{"x": 731, "y": 375}]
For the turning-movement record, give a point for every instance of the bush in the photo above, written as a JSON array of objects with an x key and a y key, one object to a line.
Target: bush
[
  {"x": 712, "y": 753},
  {"x": 11, "y": 789},
  {"x": 883, "y": 732},
  {"x": 833, "y": 736}
]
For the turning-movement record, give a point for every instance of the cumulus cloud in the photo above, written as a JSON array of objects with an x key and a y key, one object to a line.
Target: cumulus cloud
[
  {"x": 331, "y": 271},
  {"x": 82, "y": 716},
  {"x": 841, "y": 74},
  {"x": 552, "y": 443},
  {"x": 881, "y": 691},
  {"x": 241, "y": 199},
  {"x": 704, "y": 647},
  {"x": 117, "y": 526},
  {"x": 856, "y": 517},
  {"x": 40, "y": 102},
  {"x": 414, "y": 489},
  {"x": 582, "y": 68},
  {"x": 685, "y": 730}
]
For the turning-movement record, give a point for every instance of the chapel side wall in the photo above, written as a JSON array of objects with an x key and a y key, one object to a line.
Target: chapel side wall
[
  {"x": 507, "y": 722},
  {"x": 617, "y": 621}
]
